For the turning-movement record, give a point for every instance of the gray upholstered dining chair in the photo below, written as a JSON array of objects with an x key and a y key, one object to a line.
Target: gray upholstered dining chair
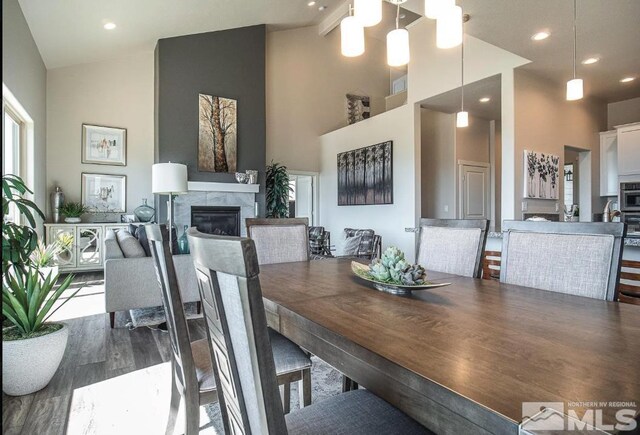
[
  {"x": 582, "y": 259},
  {"x": 192, "y": 368},
  {"x": 280, "y": 240},
  {"x": 228, "y": 275},
  {"x": 452, "y": 245}
]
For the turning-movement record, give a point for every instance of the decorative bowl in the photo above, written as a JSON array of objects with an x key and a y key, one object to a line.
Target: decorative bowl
[
  {"x": 241, "y": 177},
  {"x": 362, "y": 271}
]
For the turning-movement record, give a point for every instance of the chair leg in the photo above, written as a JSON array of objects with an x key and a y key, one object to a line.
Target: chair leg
[
  {"x": 304, "y": 388},
  {"x": 174, "y": 407},
  {"x": 198, "y": 307},
  {"x": 112, "y": 319},
  {"x": 348, "y": 384},
  {"x": 192, "y": 415},
  {"x": 285, "y": 393}
]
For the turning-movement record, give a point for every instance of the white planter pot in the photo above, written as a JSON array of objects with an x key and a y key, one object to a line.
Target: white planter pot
[
  {"x": 28, "y": 365},
  {"x": 73, "y": 220}
]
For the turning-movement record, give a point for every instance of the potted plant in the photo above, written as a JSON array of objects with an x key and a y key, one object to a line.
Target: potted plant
[
  {"x": 32, "y": 348},
  {"x": 278, "y": 188},
  {"x": 72, "y": 212},
  {"x": 44, "y": 258}
]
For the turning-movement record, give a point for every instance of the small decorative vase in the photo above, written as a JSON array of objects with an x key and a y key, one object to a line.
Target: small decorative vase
[
  {"x": 144, "y": 212},
  {"x": 57, "y": 199},
  {"x": 183, "y": 242},
  {"x": 253, "y": 176},
  {"x": 72, "y": 220}
]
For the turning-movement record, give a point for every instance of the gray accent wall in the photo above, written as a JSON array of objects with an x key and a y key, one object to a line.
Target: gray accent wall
[{"x": 228, "y": 63}]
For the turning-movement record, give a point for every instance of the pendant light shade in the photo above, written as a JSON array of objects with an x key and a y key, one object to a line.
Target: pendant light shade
[
  {"x": 434, "y": 8},
  {"x": 574, "y": 90},
  {"x": 449, "y": 28},
  {"x": 462, "y": 119},
  {"x": 352, "y": 37},
  {"x": 398, "y": 47},
  {"x": 368, "y": 12}
]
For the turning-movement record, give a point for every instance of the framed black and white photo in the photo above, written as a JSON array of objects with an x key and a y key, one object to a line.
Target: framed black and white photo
[
  {"x": 365, "y": 175},
  {"x": 104, "y": 145},
  {"x": 104, "y": 193},
  {"x": 541, "y": 175}
]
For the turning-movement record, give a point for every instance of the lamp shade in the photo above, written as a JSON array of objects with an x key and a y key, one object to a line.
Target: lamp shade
[
  {"x": 574, "y": 90},
  {"x": 398, "y": 47},
  {"x": 462, "y": 119},
  {"x": 449, "y": 28},
  {"x": 352, "y": 37},
  {"x": 434, "y": 8},
  {"x": 368, "y": 12},
  {"x": 169, "y": 178}
]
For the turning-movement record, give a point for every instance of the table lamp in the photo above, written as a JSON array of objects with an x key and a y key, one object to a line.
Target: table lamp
[{"x": 169, "y": 179}]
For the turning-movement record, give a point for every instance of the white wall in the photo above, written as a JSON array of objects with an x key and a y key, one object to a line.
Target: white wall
[
  {"x": 24, "y": 73},
  {"x": 387, "y": 220},
  {"x": 117, "y": 93},
  {"x": 307, "y": 80},
  {"x": 623, "y": 112}
]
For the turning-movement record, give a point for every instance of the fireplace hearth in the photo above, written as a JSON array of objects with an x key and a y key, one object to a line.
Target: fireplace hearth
[{"x": 222, "y": 221}]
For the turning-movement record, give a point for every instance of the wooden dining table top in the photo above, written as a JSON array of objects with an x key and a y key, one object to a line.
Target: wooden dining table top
[{"x": 495, "y": 344}]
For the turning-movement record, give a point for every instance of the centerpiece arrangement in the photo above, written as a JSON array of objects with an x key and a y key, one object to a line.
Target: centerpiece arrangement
[{"x": 393, "y": 274}]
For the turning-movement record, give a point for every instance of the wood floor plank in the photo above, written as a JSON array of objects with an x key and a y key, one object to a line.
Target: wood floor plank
[
  {"x": 145, "y": 349},
  {"x": 15, "y": 410},
  {"x": 118, "y": 347},
  {"x": 93, "y": 341},
  {"x": 48, "y": 416},
  {"x": 89, "y": 374}
]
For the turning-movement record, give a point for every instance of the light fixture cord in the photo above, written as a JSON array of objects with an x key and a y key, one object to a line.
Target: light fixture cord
[
  {"x": 398, "y": 17},
  {"x": 462, "y": 64},
  {"x": 575, "y": 37}
]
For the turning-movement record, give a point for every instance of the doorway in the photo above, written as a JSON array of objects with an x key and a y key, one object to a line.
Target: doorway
[
  {"x": 577, "y": 184},
  {"x": 303, "y": 198}
]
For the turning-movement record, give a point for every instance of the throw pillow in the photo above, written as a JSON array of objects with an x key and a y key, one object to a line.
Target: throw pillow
[
  {"x": 111, "y": 246},
  {"x": 129, "y": 245},
  {"x": 141, "y": 235},
  {"x": 352, "y": 245}
]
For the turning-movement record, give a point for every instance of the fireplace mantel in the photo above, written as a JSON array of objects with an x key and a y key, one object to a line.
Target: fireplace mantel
[{"x": 203, "y": 186}]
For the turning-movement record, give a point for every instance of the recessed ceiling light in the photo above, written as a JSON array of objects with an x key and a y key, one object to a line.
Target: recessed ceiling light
[
  {"x": 109, "y": 26},
  {"x": 590, "y": 60},
  {"x": 311, "y": 3},
  {"x": 322, "y": 8},
  {"x": 485, "y": 99},
  {"x": 627, "y": 79},
  {"x": 540, "y": 36}
]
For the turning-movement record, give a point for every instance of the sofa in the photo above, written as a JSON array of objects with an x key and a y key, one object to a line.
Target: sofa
[{"x": 131, "y": 282}]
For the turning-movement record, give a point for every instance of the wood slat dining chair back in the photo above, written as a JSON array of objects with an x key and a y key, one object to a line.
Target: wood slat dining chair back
[
  {"x": 227, "y": 272},
  {"x": 452, "y": 245},
  {"x": 629, "y": 290},
  {"x": 576, "y": 258},
  {"x": 491, "y": 265},
  {"x": 184, "y": 367},
  {"x": 280, "y": 240}
]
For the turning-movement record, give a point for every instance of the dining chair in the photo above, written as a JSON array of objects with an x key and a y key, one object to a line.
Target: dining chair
[
  {"x": 280, "y": 240},
  {"x": 581, "y": 259},
  {"x": 228, "y": 275},
  {"x": 452, "y": 245},
  {"x": 491, "y": 265},
  {"x": 629, "y": 290},
  {"x": 368, "y": 244},
  {"x": 192, "y": 368},
  {"x": 284, "y": 241}
]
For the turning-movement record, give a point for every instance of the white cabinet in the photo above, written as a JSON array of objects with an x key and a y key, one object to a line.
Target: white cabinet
[
  {"x": 609, "y": 163},
  {"x": 629, "y": 149},
  {"x": 82, "y": 244}
]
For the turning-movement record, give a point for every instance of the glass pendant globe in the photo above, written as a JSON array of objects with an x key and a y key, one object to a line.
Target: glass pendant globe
[
  {"x": 449, "y": 28},
  {"x": 352, "y": 37},
  {"x": 574, "y": 90},
  {"x": 462, "y": 119},
  {"x": 398, "y": 47},
  {"x": 368, "y": 12},
  {"x": 434, "y": 8}
]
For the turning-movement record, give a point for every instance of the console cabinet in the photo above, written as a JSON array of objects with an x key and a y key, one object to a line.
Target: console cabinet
[{"x": 82, "y": 244}]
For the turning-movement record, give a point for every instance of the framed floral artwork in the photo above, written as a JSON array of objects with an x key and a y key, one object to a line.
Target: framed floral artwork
[
  {"x": 104, "y": 145},
  {"x": 104, "y": 193}
]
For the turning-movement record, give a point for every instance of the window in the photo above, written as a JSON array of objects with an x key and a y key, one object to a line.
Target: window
[
  {"x": 11, "y": 143},
  {"x": 16, "y": 126}
]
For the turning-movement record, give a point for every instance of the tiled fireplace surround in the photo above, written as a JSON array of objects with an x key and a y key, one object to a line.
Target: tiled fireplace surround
[{"x": 216, "y": 195}]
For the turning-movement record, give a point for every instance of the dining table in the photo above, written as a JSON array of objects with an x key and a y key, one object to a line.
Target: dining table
[{"x": 476, "y": 356}]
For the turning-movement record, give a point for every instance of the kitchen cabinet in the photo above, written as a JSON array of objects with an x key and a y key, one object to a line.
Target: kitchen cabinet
[
  {"x": 82, "y": 245},
  {"x": 629, "y": 149},
  {"x": 609, "y": 163}
]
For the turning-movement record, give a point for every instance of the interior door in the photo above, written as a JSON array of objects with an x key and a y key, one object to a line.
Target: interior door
[
  {"x": 474, "y": 192},
  {"x": 304, "y": 197}
]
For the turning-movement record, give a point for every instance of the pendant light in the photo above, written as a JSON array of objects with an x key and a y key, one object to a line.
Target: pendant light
[
  {"x": 398, "y": 44},
  {"x": 462, "y": 117},
  {"x": 434, "y": 8},
  {"x": 368, "y": 12},
  {"x": 352, "y": 36},
  {"x": 449, "y": 28},
  {"x": 575, "y": 90}
]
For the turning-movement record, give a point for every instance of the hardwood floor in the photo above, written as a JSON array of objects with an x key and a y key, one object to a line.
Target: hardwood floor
[{"x": 100, "y": 366}]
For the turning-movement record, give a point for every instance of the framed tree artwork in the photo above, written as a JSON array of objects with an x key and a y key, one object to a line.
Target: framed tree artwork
[
  {"x": 104, "y": 145},
  {"x": 541, "y": 175},
  {"x": 365, "y": 175},
  {"x": 217, "y": 137}
]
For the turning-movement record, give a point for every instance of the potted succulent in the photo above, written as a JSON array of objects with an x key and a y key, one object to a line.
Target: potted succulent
[
  {"x": 277, "y": 187},
  {"x": 28, "y": 299},
  {"x": 44, "y": 258},
  {"x": 72, "y": 212}
]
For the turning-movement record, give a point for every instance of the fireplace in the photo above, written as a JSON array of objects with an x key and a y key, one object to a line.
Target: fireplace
[{"x": 224, "y": 221}]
